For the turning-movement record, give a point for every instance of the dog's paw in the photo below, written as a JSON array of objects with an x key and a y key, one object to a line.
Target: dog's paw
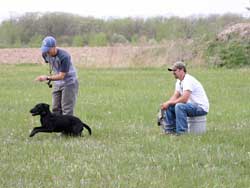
[{"x": 32, "y": 134}]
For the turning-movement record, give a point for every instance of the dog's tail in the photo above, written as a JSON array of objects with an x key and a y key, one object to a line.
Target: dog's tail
[{"x": 88, "y": 128}]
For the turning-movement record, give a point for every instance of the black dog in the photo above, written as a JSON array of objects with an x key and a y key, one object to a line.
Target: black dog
[{"x": 68, "y": 125}]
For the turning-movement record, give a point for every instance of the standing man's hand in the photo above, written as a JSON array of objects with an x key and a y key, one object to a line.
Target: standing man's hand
[{"x": 41, "y": 78}]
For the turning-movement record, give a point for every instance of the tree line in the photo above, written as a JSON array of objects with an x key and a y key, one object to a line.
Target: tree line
[{"x": 29, "y": 29}]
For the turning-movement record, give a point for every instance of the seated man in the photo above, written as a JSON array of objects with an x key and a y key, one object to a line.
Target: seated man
[{"x": 189, "y": 99}]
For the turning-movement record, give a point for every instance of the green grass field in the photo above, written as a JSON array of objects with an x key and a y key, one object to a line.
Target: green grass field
[{"x": 126, "y": 148}]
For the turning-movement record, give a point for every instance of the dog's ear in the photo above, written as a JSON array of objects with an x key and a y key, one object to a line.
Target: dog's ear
[
  {"x": 45, "y": 109},
  {"x": 45, "y": 106}
]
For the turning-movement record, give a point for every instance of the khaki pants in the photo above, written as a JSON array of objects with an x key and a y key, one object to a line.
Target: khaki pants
[{"x": 64, "y": 98}]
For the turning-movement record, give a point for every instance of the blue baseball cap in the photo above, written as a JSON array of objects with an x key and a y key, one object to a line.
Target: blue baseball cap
[{"x": 48, "y": 42}]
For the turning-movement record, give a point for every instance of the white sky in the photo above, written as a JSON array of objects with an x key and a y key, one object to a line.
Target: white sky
[{"x": 124, "y": 8}]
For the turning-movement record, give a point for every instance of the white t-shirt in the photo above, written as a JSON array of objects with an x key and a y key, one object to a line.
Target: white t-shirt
[{"x": 198, "y": 95}]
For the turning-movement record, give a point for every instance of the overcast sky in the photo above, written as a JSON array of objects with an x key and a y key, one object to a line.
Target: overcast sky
[{"x": 124, "y": 8}]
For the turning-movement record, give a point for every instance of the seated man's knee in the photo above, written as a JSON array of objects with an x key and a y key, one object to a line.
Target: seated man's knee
[
  {"x": 179, "y": 106},
  {"x": 171, "y": 107}
]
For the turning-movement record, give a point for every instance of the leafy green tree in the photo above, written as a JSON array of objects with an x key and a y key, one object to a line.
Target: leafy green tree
[
  {"x": 228, "y": 54},
  {"x": 35, "y": 41},
  {"x": 99, "y": 39},
  {"x": 117, "y": 38},
  {"x": 78, "y": 41},
  {"x": 68, "y": 27},
  {"x": 9, "y": 34}
]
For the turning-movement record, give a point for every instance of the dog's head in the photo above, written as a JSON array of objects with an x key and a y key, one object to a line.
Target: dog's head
[{"x": 40, "y": 109}]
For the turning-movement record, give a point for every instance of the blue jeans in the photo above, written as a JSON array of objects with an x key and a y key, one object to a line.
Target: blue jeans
[{"x": 176, "y": 116}]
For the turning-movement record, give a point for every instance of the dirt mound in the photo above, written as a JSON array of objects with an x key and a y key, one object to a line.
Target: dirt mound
[{"x": 241, "y": 30}]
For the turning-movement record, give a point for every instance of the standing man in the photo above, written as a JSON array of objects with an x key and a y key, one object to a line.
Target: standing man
[
  {"x": 64, "y": 77},
  {"x": 189, "y": 99}
]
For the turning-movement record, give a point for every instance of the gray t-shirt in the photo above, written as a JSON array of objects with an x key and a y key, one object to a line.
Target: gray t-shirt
[{"x": 62, "y": 63}]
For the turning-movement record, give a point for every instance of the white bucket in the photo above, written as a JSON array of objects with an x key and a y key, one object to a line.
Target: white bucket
[{"x": 197, "y": 124}]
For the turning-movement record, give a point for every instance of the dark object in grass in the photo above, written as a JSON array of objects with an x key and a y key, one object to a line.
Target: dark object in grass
[
  {"x": 49, "y": 84},
  {"x": 161, "y": 118},
  {"x": 66, "y": 124}
]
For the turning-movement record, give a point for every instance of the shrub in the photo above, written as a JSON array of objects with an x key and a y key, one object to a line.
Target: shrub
[
  {"x": 35, "y": 41},
  {"x": 118, "y": 39},
  {"x": 99, "y": 39},
  {"x": 228, "y": 54},
  {"x": 78, "y": 41}
]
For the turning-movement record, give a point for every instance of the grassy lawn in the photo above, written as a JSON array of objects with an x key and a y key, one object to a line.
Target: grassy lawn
[{"x": 126, "y": 148}]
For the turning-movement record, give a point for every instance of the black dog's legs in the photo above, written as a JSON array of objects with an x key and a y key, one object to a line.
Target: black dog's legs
[
  {"x": 40, "y": 129},
  {"x": 77, "y": 130}
]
